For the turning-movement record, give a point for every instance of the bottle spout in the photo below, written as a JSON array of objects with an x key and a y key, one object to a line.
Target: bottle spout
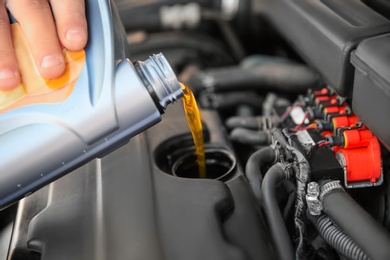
[{"x": 160, "y": 80}]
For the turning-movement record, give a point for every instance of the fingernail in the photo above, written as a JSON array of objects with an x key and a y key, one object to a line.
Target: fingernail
[
  {"x": 8, "y": 74},
  {"x": 75, "y": 36},
  {"x": 51, "y": 61}
]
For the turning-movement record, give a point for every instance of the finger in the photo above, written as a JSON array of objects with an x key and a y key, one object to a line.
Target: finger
[
  {"x": 71, "y": 23},
  {"x": 9, "y": 76},
  {"x": 36, "y": 19}
]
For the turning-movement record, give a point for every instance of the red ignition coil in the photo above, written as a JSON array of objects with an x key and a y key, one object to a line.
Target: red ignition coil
[
  {"x": 336, "y": 108},
  {"x": 344, "y": 121},
  {"x": 359, "y": 154},
  {"x": 322, "y": 95},
  {"x": 330, "y": 99},
  {"x": 322, "y": 92},
  {"x": 327, "y": 127}
]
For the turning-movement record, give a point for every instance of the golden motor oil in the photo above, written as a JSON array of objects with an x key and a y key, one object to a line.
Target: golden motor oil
[{"x": 50, "y": 127}]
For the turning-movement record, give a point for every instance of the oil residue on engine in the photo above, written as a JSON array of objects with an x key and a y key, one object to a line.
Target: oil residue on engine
[{"x": 195, "y": 123}]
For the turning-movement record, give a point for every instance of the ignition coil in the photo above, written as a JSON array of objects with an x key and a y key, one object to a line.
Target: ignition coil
[
  {"x": 358, "y": 151},
  {"x": 338, "y": 145}
]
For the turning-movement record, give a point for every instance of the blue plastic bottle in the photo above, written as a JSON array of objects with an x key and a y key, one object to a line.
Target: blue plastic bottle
[{"x": 112, "y": 100}]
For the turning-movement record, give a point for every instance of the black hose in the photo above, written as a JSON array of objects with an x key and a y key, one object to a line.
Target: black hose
[
  {"x": 258, "y": 159},
  {"x": 251, "y": 122},
  {"x": 146, "y": 15},
  {"x": 180, "y": 47},
  {"x": 291, "y": 190},
  {"x": 361, "y": 227},
  {"x": 287, "y": 77},
  {"x": 229, "y": 100},
  {"x": 336, "y": 238},
  {"x": 250, "y": 137},
  {"x": 227, "y": 31},
  {"x": 279, "y": 234},
  {"x": 248, "y": 122}
]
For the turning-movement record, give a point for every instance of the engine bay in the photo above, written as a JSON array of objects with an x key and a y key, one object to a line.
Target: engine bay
[{"x": 294, "y": 98}]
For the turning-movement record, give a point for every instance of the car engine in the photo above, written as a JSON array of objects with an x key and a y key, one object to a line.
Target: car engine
[{"x": 294, "y": 97}]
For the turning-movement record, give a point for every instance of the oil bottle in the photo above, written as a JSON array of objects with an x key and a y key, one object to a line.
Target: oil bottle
[{"x": 111, "y": 100}]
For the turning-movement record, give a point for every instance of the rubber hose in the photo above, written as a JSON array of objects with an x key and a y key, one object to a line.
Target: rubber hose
[
  {"x": 200, "y": 48},
  {"x": 292, "y": 190},
  {"x": 251, "y": 122},
  {"x": 231, "y": 99},
  {"x": 250, "y": 137},
  {"x": 336, "y": 238},
  {"x": 253, "y": 166},
  {"x": 279, "y": 234},
  {"x": 361, "y": 227},
  {"x": 145, "y": 15},
  {"x": 287, "y": 77},
  {"x": 232, "y": 39}
]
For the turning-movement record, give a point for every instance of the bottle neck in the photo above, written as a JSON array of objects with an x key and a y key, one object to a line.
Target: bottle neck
[{"x": 160, "y": 80}]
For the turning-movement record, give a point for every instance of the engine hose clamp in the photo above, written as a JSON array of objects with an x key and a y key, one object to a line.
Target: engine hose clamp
[{"x": 328, "y": 187}]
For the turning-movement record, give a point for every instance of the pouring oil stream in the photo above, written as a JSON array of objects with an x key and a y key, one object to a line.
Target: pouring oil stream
[{"x": 195, "y": 124}]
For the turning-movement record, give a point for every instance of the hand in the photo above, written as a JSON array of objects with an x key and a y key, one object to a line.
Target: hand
[{"x": 47, "y": 24}]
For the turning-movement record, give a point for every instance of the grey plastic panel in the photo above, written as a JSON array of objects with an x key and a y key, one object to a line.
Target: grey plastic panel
[
  {"x": 371, "y": 95},
  {"x": 103, "y": 210},
  {"x": 325, "y": 32},
  {"x": 109, "y": 104},
  {"x": 123, "y": 207}
]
